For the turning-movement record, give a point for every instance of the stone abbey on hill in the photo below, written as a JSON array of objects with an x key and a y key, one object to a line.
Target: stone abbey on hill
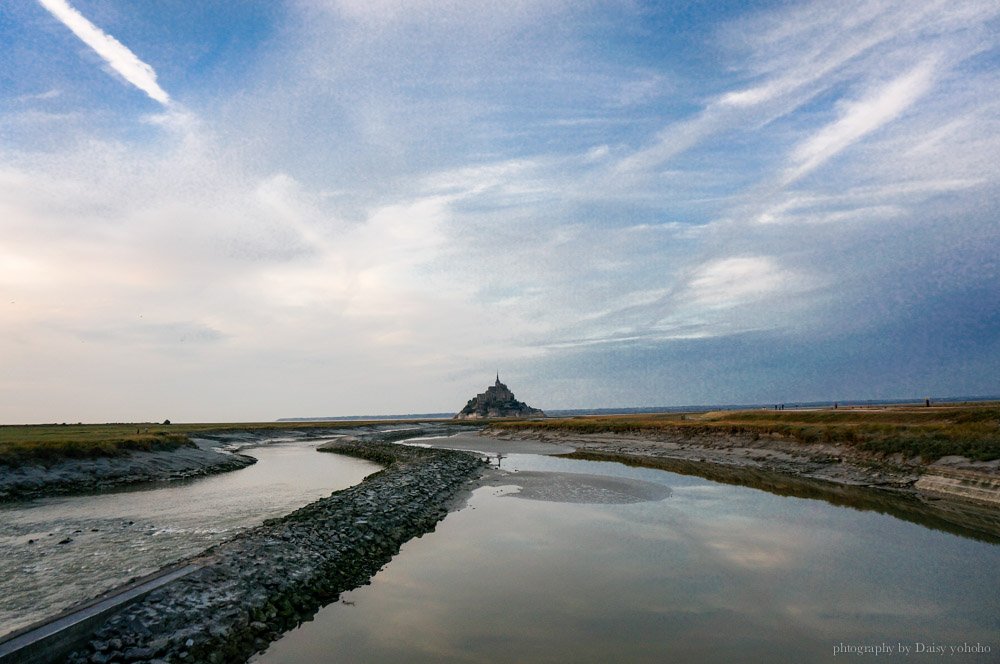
[{"x": 497, "y": 401}]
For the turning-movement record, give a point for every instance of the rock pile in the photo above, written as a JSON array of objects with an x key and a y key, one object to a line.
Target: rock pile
[{"x": 267, "y": 580}]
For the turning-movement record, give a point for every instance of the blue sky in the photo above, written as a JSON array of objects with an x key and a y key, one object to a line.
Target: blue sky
[{"x": 243, "y": 211}]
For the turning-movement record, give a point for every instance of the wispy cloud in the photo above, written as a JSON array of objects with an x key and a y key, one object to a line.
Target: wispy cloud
[
  {"x": 795, "y": 56},
  {"x": 860, "y": 118},
  {"x": 41, "y": 96},
  {"x": 587, "y": 210},
  {"x": 734, "y": 280},
  {"x": 123, "y": 61}
]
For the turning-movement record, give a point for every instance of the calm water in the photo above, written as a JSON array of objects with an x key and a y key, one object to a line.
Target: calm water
[
  {"x": 118, "y": 536},
  {"x": 710, "y": 573}
]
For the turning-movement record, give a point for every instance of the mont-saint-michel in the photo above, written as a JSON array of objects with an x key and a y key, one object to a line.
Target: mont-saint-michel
[{"x": 496, "y": 401}]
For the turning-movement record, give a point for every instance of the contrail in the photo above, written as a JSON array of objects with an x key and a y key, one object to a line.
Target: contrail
[{"x": 118, "y": 57}]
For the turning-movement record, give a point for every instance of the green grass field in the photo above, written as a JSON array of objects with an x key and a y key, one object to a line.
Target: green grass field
[{"x": 971, "y": 431}]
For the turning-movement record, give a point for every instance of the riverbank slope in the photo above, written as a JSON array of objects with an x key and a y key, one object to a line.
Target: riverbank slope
[
  {"x": 47, "y": 460},
  {"x": 72, "y": 476},
  {"x": 949, "y": 452}
]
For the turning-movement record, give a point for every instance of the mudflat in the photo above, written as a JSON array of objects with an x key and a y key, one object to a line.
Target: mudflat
[
  {"x": 824, "y": 455},
  {"x": 951, "y": 451}
]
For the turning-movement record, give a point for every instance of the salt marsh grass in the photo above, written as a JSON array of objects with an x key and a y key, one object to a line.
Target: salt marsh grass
[{"x": 971, "y": 431}]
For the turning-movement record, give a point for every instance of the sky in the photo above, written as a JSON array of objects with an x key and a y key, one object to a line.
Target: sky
[{"x": 224, "y": 211}]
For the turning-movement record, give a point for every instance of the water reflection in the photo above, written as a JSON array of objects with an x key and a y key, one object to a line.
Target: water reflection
[
  {"x": 117, "y": 536},
  {"x": 714, "y": 573},
  {"x": 958, "y": 518}
]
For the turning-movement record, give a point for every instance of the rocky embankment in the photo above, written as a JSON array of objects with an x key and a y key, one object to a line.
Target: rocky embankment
[
  {"x": 250, "y": 589},
  {"x": 31, "y": 480}
]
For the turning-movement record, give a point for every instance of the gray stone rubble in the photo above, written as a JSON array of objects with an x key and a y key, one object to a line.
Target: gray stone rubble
[{"x": 265, "y": 581}]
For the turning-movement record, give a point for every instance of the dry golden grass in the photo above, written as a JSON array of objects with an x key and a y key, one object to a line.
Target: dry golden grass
[
  {"x": 45, "y": 443},
  {"x": 971, "y": 431}
]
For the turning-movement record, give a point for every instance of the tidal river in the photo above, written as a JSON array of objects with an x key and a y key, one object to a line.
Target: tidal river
[
  {"x": 58, "y": 551},
  {"x": 578, "y": 561}
]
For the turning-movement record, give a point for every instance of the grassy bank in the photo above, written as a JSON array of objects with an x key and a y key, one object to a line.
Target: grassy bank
[
  {"x": 971, "y": 431},
  {"x": 47, "y": 443}
]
